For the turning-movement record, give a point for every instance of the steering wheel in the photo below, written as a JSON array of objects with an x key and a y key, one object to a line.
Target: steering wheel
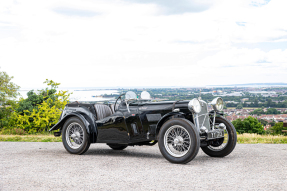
[{"x": 120, "y": 97}]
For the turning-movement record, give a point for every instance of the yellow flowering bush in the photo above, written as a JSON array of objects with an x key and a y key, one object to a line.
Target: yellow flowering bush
[{"x": 44, "y": 115}]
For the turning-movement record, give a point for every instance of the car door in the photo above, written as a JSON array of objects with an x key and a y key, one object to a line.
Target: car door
[
  {"x": 112, "y": 129},
  {"x": 133, "y": 122}
]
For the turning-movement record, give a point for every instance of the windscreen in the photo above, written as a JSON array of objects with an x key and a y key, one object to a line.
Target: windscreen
[
  {"x": 130, "y": 95},
  {"x": 145, "y": 95}
]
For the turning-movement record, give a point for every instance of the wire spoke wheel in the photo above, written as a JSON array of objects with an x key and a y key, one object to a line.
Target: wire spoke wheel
[
  {"x": 75, "y": 135},
  {"x": 177, "y": 141},
  {"x": 223, "y": 146}
]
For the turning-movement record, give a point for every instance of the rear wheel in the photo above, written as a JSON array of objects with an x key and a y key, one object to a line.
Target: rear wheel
[
  {"x": 75, "y": 137},
  {"x": 179, "y": 141},
  {"x": 224, "y": 146},
  {"x": 117, "y": 146}
]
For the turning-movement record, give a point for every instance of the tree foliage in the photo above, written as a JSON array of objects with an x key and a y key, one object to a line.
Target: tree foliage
[
  {"x": 272, "y": 111},
  {"x": 8, "y": 91},
  {"x": 256, "y": 102},
  {"x": 36, "y": 98},
  {"x": 248, "y": 125},
  {"x": 263, "y": 122},
  {"x": 257, "y": 112},
  {"x": 277, "y": 129},
  {"x": 269, "y": 111},
  {"x": 239, "y": 106},
  {"x": 40, "y": 110}
]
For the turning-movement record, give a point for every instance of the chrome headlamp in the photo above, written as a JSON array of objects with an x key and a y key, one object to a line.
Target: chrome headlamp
[
  {"x": 194, "y": 105},
  {"x": 217, "y": 104}
]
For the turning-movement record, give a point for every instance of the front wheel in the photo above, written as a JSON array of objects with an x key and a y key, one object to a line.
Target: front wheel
[
  {"x": 224, "y": 146},
  {"x": 179, "y": 141},
  {"x": 75, "y": 137}
]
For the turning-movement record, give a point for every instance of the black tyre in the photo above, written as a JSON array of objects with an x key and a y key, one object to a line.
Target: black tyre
[
  {"x": 178, "y": 141},
  {"x": 224, "y": 146},
  {"x": 117, "y": 146},
  {"x": 75, "y": 137}
]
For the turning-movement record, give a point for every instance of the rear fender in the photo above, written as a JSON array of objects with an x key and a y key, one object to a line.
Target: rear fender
[
  {"x": 167, "y": 117},
  {"x": 89, "y": 123}
]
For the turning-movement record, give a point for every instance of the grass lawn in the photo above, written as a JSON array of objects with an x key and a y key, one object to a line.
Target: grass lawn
[
  {"x": 254, "y": 139},
  {"x": 30, "y": 138},
  {"x": 242, "y": 139},
  {"x": 251, "y": 108}
]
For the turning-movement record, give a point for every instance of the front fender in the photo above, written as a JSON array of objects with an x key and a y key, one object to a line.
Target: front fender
[
  {"x": 219, "y": 113},
  {"x": 167, "y": 116}
]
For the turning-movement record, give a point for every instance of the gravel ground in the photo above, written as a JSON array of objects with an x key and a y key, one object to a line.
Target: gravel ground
[{"x": 47, "y": 166}]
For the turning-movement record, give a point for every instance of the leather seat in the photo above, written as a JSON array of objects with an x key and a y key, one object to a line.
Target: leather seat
[
  {"x": 113, "y": 107},
  {"x": 102, "y": 111}
]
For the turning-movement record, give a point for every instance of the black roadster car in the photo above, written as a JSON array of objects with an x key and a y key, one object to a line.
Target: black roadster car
[{"x": 179, "y": 127}]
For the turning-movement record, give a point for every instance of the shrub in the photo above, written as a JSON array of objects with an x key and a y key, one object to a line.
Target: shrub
[
  {"x": 248, "y": 125},
  {"x": 277, "y": 129},
  {"x": 14, "y": 131},
  {"x": 41, "y": 110}
]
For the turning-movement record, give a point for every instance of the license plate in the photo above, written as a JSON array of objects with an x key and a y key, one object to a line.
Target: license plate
[{"x": 215, "y": 134}]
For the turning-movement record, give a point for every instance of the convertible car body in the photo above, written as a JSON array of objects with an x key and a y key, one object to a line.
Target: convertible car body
[{"x": 179, "y": 127}]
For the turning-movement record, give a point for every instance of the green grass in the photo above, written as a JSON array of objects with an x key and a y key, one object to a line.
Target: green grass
[
  {"x": 30, "y": 138},
  {"x": 241, "y": 138},
  {"x": 245, "y": 108},
  {"x": 251, "y": 108},
  {"x": 266, "y": 139}
]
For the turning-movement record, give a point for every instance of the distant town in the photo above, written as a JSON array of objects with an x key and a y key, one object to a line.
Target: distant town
[{"x": 267, "y": 104}]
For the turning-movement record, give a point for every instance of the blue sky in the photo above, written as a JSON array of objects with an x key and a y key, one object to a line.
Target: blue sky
[{"x": 100, "y": 43}]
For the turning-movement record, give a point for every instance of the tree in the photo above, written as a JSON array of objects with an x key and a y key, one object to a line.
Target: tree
[
  {"x": 272, "y": 123},
  {"x": 277, "y": 128},
  {"x": 263, "y": 122},
  {"x": 8, "y": 91},
  {"x": 239, "y": 106},
  {"x": 248, "y": 125},
  {"x": 269, "y": 102},
  {"x": 256, "y": 102},
  {"x": 244, "y": 104},
  {"x": 257, "y": 112},
  {"x": 36, "y": 98},
  {"x": 40, "y": 110},
  {"x": 272, "y": 111}
]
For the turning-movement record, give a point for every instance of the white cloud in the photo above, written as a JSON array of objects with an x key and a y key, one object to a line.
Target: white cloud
[{"x": 120, "y": 43}]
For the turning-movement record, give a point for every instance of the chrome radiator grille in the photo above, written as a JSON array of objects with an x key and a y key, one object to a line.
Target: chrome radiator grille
[{"x": 203, "y": 117}]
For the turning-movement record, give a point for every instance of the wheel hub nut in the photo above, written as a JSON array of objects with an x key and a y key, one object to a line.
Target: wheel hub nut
[
  {"x": 178, "y": 140},
  {"x": 77, "y": 134}
]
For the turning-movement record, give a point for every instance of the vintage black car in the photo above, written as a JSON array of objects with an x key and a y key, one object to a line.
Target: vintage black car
[{"x": 179, "y": 127}]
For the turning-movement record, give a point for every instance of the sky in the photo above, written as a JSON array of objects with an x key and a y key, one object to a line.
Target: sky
[{"x": 136, "y": 43}]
